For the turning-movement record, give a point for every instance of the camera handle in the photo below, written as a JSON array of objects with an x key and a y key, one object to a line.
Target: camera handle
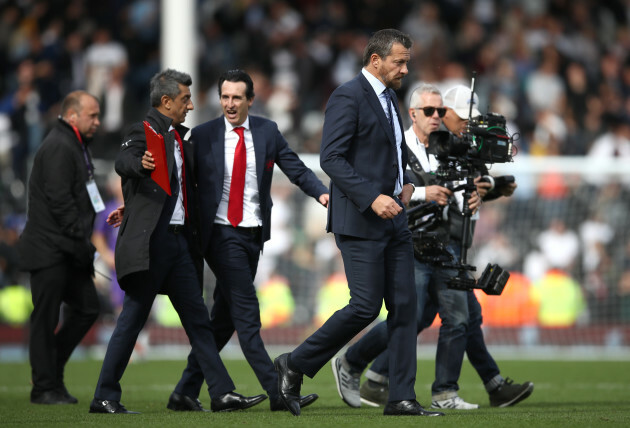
[{"x": 466, "y": 240}]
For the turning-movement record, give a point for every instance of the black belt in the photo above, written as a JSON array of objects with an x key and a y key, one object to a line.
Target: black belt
[
  {"x": 249, "y": 230},
  {"x": 176, "y": 228}
]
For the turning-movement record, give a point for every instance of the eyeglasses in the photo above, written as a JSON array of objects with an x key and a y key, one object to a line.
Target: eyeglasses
[{"x": 428, "y": 111}]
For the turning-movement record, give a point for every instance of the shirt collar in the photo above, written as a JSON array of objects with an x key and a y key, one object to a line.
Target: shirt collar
[
  {"x": 229, "y": 127},
  {"x": 376, "y": 84}
]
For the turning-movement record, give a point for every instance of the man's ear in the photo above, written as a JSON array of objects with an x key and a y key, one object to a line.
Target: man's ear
[
  {"x": 375, "y": 60},
  {"x": 71, "y": 118},
  {"x": 166, "y": 101}
]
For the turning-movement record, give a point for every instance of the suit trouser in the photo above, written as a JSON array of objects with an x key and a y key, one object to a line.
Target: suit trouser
[
  {"x": 49, "y": 351},
  {"x": 233, "y": 255},
  {"x": 376, "y": 270},
  {"x": 430, "y": 281},
  {"x": 373, "y": 345},
  {"x": 171, "y": 272}
]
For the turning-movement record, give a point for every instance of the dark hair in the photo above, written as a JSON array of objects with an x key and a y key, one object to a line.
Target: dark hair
[
  {"x": 238, "y": 76},
  {"x": 72, "y": 101},
  {"x": 167, "y": 83},
  {"x": 382, "y": 41}
]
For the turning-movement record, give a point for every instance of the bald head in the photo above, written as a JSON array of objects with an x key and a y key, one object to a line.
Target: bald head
[{"x": 81, "y": 110}]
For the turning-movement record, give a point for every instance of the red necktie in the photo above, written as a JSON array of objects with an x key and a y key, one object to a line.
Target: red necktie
[
  {"x": 237, "y": 187},
  {"x": 181, "y": 150}
]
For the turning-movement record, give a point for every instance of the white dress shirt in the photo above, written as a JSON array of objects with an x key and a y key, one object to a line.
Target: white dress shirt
[
  {"x": 251, "y": 199},
  {"x": 379, "y": 88},
  {"x": 179, "y": 214},
  {"x": 430, "y": 164}
]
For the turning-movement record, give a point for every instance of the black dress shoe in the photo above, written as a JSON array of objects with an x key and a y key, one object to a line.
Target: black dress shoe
[
  {"x": 184, "y": 403},
  {"x": 289, "y": 384},
  {"x": 233, "y": 401},
  {"x": 71, "y": 399},
  {"x": 109, "y": 406},
  {"x": 408, "y": 408},
  {"x": 52, "y": 396},
  {"x": 305, "y": 400}
]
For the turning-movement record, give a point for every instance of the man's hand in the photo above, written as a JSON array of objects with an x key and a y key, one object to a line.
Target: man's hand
[
  {"x": 323, "y": 199},
  {"x": 115, "y": 217},
  {"x": 437, "y": 194},
  {"x": 508, "y": 189},
  {"x": 474, "y": 202},
  {"x": 386, "y": 207},
  {"x": 405, "y": 195},
  {"x": 483, "y": 187},
  {"x": 148, "y": 162}
]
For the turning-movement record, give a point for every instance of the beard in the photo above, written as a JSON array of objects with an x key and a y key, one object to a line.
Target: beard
[{"x": 395, "y": 83}]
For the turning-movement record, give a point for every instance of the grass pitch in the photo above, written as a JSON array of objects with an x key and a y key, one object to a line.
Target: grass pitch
[{"x": 566, "y": 394}]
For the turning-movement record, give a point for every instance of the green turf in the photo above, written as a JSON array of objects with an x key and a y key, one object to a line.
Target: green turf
[{"x": 567, "y": 394}]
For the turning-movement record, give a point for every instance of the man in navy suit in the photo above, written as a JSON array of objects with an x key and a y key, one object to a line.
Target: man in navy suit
[
  {"x": 364, "y": 153},
  {"x": 235, "y": 155}
]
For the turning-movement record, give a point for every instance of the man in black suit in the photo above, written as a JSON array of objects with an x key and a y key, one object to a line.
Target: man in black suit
[
  {"x": 235, "y": 155},
  {"x": 364, "y": 153},
  {"x": 55, "y": 246},
  {"x": 157, "y": 252}
]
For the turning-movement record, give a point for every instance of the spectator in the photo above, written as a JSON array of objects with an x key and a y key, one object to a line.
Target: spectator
[
  {"x": 559, "y": 245},
  {"x": 104, "y": 240},
  {"x": 103, "y": 58}
]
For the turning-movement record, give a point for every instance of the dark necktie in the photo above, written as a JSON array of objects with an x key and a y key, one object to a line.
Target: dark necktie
[
  {"x": 390, "y": 117},
  {"x": 237, "y": 186},
  {"x": 388, "y": 112},
  {"x": 181, "y": 151}
]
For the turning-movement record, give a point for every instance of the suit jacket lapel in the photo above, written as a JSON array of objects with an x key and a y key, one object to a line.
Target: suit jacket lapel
[
  {"x": 217, "y": 153},
  {"x": 169, "y": 146},
  {"x": 375, "y": 103},
  {"x": 403, "y": 144},
  {"x": 188, "y": 158},
  {"x": 392, "y": 93},
  {"x": 260, "y": 148}
]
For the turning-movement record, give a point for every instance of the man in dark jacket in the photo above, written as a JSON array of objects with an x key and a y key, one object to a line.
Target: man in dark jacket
[
  {"x": 55, "y": 245},
  {"x": 365, "y": 155},
  {"x": 157, "y": 252}
]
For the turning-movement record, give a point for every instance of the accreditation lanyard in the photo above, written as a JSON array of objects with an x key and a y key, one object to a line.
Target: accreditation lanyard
[{"x": 95, "y": 196}]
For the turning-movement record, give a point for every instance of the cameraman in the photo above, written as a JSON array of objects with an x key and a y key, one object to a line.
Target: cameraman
[{"x": 459, "y": 310}]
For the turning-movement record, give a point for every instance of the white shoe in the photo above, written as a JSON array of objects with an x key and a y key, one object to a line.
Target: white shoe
[
  {"x": 453, "y": 403},
  {"x": 347, "y": 382}
]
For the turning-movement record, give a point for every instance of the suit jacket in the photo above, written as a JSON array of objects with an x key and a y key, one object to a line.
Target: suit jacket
[
  {"x": 358, "y": 153},
  {"x": 270, "y": 147},
  {"x": 144, "y": 199},
  {"x": 60, "y": 214}
]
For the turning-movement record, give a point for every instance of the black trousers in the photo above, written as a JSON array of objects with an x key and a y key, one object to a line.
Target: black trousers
[
  {"x": 376, "y": 270},
  {"x": 171, "y": 272},
  {"x": 233, "y": 255},
  {"x": 49, "y": 351}
]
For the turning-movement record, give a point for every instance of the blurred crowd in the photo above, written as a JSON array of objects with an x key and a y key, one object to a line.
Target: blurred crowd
[{"x": 558, "y": 70}]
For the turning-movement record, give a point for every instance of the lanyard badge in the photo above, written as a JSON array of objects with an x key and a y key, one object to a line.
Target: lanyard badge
[{"x": 92, "y": 189}]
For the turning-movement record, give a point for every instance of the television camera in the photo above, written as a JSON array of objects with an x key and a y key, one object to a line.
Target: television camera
[{"x": 461, "y": 159}]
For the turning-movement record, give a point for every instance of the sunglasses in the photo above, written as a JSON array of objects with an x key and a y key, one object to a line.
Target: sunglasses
[{"x": 428, "y": 111}]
